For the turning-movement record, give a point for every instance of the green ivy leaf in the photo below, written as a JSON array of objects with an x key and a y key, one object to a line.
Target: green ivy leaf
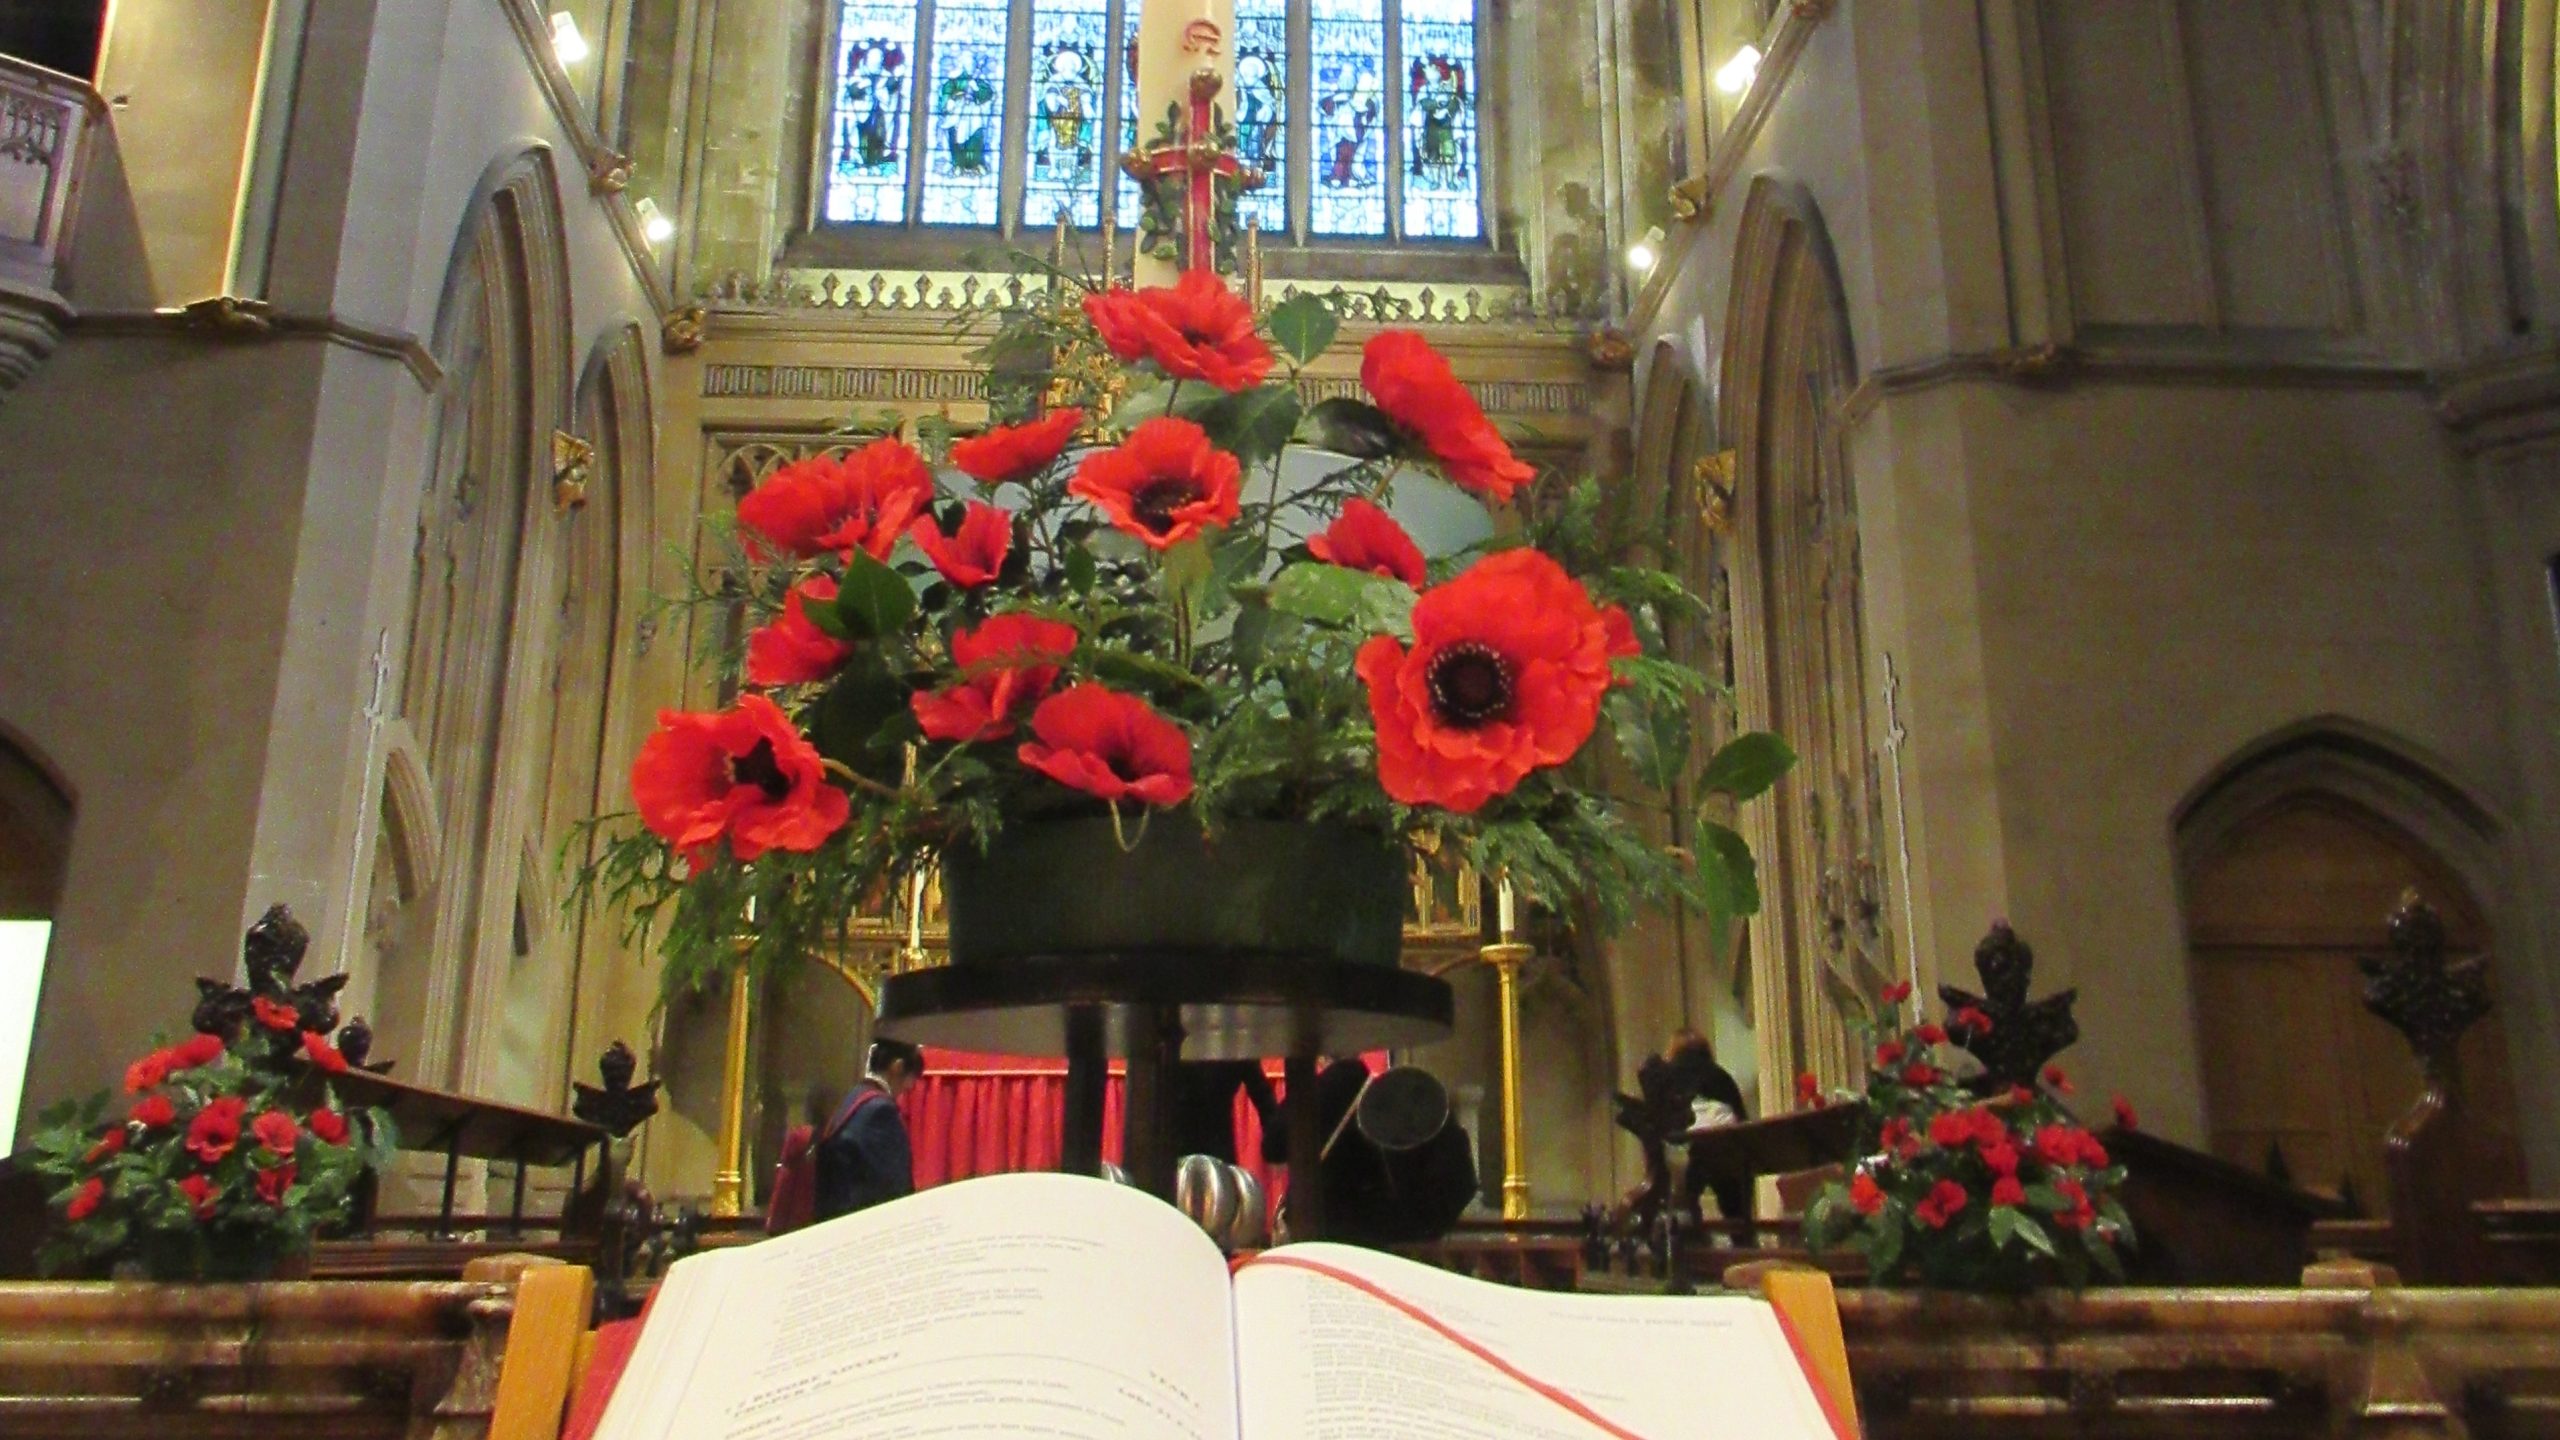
[
  {"x": 1253, "y": 424},
  {"x": 1748, "y": 765},
  {"x": 1348, "y": 599},
  {"x": 1303, "y": 327},
  {"x": 1731, "y": 877},
  {"x": 1353, "y": 427},
  {"x": 871, "y": 600}
]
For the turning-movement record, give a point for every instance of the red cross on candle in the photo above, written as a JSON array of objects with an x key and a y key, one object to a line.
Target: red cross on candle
[{"x": 1196, "y": 159}]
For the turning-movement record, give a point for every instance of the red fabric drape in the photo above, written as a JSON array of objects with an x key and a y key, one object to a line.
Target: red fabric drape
[{"x": 975, "y": 1114}]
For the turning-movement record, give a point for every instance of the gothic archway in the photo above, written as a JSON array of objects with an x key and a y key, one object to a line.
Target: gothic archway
[{"x": 1799, "y": 643}]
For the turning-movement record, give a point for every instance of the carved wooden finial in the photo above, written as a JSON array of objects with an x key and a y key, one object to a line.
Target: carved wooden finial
[
  {"x": 618, "y": 1105},
  {"x": 2419, "y": 993},
  {"x": 2024, "y": 1034}
]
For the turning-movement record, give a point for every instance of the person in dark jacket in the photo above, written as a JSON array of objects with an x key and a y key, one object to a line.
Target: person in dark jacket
[{"x": 863, "y": 1157}]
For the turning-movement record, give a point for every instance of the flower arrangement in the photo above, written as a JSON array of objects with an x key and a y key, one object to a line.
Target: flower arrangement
[
  {"x": 229, "y": 1151},
  {"x": 1161, "y": 580},
  {"x": 1958, "y": 1190}
]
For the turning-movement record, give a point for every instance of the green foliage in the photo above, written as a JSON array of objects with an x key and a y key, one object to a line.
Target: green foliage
[{"x": 1303, "y": 327}]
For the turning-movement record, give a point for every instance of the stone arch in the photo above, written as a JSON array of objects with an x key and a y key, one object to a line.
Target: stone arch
[
  {"x": 2290, "y": 856},
  {"x": 475, "y": 670},
  {"x": 1799, "y": 641}
]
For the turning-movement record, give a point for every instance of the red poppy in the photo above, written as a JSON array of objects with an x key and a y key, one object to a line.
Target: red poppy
[
  {"x": 1931, "y": 1034},
  {"x": 972, "y": 555},
  {"x": 1111, "y": 745},
  {"x": 275, "y": 1014},
  {"x": 1364, "y": 537},
  {"x": 2054, "y": 1076},
  {"x": 1621, "y": 628},
  {"x": 1865, "y": 1195},
  {"x": 85, "y": 1201},
  {"x": 1971, "y": 1020},
  {"x": 1888, "y": 1054},
  {"x": 201, "y": 1193},
  {"x": 216, "y": 1129},
  {"x": 1897, "y": 992},
  {"x": 790, "y": 649},
  {"x": 2125, "y": 1118},
  {"x": 317, "y": 1049},
  {"x": 2008, "y": 1191},
  {"x": 1194, "y": 329},
  {"x": 1005, "y": 663},
  {"x": 276, "y": 1130},
  {"x": 146, "y": 1072},
  {"x": 1415, "y": 386},
  {"x": 1946, "y": 1200},
  {"x": 1011, "y": 452},
  {"x": 745, "y": 773},
  {"x": 864, "y": 500},
  {"x": 327, "y": 1125},
  {"x": 198, "y": 1050},
  {"x": 1506, "y": 674},
  {"x": 1164, "y": 484},
  {"x": 273, "y": 1183},
  {"x": 1808, "y": 1090},
  {"x": 109, "y": 1144},
  {"x": 153, "y": 1112}
]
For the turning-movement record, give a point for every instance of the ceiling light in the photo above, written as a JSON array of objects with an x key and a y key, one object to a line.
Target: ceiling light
[
  {"x": 566, "y": 42},
  {"x": 654, "y": 223},
  {"x": 1740, "y": 71}
]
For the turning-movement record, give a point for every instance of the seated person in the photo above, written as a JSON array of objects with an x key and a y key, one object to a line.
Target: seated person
[
  {"x": 1715, "y": 1100},
  {"x": 863, "y": 1157}
]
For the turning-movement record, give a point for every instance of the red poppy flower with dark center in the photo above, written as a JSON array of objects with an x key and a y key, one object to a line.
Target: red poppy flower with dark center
[
  {"x": 86, "y": 1200},
  {"x": 1164, "y": 484},
  {"x": 273, "y": 1183},
  {"x": 1506, "y": 673},
  {"x": 1415, "y": 386},
  {"x": 864, "y": 500},
  {"x": 196, "y": 1051},
  {"x": 317, "y": 1049},
  {"x": 154, "y": 1111},
  {"x": 790, "y": 649},
  {"x": 1364, "y": 537},
  {"x": 1005, "y": 663},
  {"x": 745, "y": 773},
  {"x": 216, "y": 1129},
  {"x": 201, "y": 1194},
  {"x": 327, "y": 1125},
  {"x": 1194, "y": 329},
  {"x": 1015, "y": 452},
  {"x": 276, "y": 1131},
  {"x": 275, "y": 1014},
  {"x": 974, "y": 554},
  {"x": 1109, "y": 745}
]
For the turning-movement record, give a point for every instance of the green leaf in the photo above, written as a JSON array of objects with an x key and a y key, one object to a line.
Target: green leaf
[
  {"x": 1351, "y": 599},
  {"x": 1186, "y": 566},
  {"x": 1303, "y": 327},
  {"x": 1655, "y": 738},
  {"x": 871, "y": 600},
  {"x": 854, "y": 708},
  {"x": 1748, "y": 765},
  {"x": 1731, "y": 878},
  {"x": 1253, "y": 424},
  {"x": 1353, "y": 427},
  {"x": 1130, "y": 670},
  {"x": 2033, "y": 1232},
  {"x": 1079, "y": 568},
  {"x": 1886, "y": 1252}
]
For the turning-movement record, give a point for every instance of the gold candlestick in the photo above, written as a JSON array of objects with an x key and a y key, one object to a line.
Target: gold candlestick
[
  {"x": 729, "y": 1183},
  {"x": 1506, "y": 956}
]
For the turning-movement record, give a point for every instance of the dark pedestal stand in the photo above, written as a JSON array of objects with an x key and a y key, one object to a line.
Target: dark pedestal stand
[{"x": 1155, "y": 1010}]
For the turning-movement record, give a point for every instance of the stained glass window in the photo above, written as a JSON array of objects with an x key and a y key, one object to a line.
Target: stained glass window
[
  {"x": 1125, "y": 208},
  {"x": 965, "y": 141},
  {"x": 1347, "y": 44},
  {"x": 1440, "y": 119},
  {"x": 1064, "y": 155},
  {"x": 867, "y": 154},
  {"x": 1262, "y": 107}
]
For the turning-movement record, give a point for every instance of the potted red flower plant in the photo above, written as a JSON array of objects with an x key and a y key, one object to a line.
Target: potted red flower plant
[
  {"x": 1163, "y": 614},
  {"x": 1953, "y": 1188}
]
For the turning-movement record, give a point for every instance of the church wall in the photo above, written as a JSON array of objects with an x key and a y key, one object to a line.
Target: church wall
[{"x": 210, "y": 535}]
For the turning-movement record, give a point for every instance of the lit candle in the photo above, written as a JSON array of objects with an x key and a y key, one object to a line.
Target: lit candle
[
  {"x": 915, "y": 913},
  {"x": 1506, "y": 920}
]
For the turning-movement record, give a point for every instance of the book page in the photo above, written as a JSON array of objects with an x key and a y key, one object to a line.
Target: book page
[
  {"x": 1048, "y": 1306},
  {"x": 1334, "y": 1357}
]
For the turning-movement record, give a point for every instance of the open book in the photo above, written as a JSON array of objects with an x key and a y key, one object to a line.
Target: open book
[{"x": 1073, "y": 1309}]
